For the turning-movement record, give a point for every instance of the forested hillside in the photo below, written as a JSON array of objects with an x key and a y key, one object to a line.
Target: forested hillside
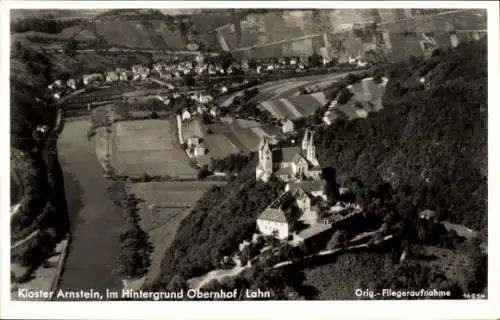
[
  {"x": 219, "y": 222},
  {"x": 434, "y": 139},
  {"x": 42, "y": 204}
]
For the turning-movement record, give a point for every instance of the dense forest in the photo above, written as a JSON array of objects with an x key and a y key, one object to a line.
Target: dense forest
[
  {"x": 430, "y": 138},
  {"x": 43, "y": 204}
]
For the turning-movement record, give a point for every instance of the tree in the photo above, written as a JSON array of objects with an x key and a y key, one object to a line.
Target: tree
[
  {"x": 226, "y": 60},
  {"x": 315, "y": 60},
  {"x": 70, "y": 47},
  {"x": 344, "y": 96},
  {"x": 189, "y": 80}
]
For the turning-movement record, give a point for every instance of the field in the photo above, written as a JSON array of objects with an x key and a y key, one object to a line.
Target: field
[
  {"x": 148, "y": 146},
  {"x": 220, "y": 145},
  {"x": 367, "y": 98},
  {"x": 192, "y": 128},
  {"x": 165, "y": 205},
  {"x": 294, "y": 107}
]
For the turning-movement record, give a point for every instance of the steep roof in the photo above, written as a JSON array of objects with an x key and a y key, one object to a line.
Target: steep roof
[
  {"x": 297, "y": 157},
  {"x": 286, "y": 154},
  {"x": 284, "y": 171},
  {"x": 313, "y": 231},
  {"x": 273, "y": 215},
  {"x": 308, "y": 186}
]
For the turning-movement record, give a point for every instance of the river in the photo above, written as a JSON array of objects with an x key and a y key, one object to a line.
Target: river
[{"x": 96, "y": 221}]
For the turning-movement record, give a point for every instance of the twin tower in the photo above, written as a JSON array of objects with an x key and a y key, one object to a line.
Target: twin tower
[{"x": 291, "y": 162}]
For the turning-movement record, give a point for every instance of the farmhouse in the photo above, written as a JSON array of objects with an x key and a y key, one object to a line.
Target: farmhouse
[
  {"x": 186, "y": 115},
  {"x": 71, "y": 83},
  {"x": 112, "y": 76},
  {"x": 203, "y": 98},
  {"x": 89, "y": 78},
  {"x": 287, "y": 125},
  {"x": 290, "y": 163}
]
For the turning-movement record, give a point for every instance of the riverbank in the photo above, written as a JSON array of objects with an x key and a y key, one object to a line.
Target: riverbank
[{"x": 45, "y": 278}]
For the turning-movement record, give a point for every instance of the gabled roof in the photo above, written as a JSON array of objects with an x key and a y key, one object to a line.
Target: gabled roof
[
  {"x": 286, "y": 154},
  {"x": 284, "y": 171},
  {"x": 308, "y": 186},
  {"x": 297, "y": 157},
  {"x": 273, "y": 215}
]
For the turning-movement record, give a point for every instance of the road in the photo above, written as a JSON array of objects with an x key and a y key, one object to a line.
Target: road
[
  {"x": 96, "y": 221},
  {"x": 286, "y": 88}
]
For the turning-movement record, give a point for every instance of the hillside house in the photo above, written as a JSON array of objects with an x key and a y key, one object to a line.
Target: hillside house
[
  {"x": 140, "y": 72},
  {"x": 213, "y": 112},
  {"x": 292, "y": 211},
  {"x": 71, "y": 83},
  {"x": 186, "y": 115},
  {"x": 224, "y": 89},
  {"x": 193, "y": 141},
  {"x": 362, "y": 64},
  {"x": 428, "y": 214},
  {"x": 203, "y": 98},
  {"x": 123, "y": 74},
  {"x": 92, "y": 77},
  {"x": 352, "y": 60},
  {"x": 277, "y": 219},
  {"x": 287, "y": 126},
  {"x": 199, "y": 151},
  {"x": 289, "y": 163},
  {"x": 112, "y": 76}
]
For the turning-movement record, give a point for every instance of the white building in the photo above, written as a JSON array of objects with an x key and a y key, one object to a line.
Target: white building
[
  {"x": 273, "y": 220},
  {"x": 203, "y": 98},
  {"x": 186, "y": 115},
  {"x": 89, "y": 78},
  {"x": 71, "y": 83},
  {"x": 280, "y": 217},
  {"x": 289, "y": 163},
  {"x": 112, "y": 76},
  {"x": 287, "y": 126}
]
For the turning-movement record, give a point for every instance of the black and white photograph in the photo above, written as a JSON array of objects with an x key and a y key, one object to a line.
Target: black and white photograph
[{"x": 265, "y": 153}]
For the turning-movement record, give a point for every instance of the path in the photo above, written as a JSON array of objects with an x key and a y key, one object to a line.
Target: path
[{"x": 218, "y": 274}]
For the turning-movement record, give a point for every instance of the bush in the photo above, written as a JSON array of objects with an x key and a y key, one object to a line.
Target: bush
[{"x": 344, "y": 96}]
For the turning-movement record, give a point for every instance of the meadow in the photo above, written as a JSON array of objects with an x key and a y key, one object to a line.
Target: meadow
[{"x": 148, "y": 146}]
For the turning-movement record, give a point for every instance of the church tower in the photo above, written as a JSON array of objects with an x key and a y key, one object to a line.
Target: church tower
[
  {"x": 264, "y": 168},
  {"x": 311, "y": 150},
  {"x": 305, "y": 142}
]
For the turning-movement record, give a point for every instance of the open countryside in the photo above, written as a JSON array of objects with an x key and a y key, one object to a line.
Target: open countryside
[{"x": 219, "y": 150}]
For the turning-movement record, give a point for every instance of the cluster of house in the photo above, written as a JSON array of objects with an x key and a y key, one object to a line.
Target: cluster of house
[
  {"x": 355, "y": 61},
  {"x": 59, "y": 87},
  {"x": 294, "y": 215},
  {"x": 202, "y": 106},
  {"x": 195, "y": 147},
  {"x": 178, "y": 69}
]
